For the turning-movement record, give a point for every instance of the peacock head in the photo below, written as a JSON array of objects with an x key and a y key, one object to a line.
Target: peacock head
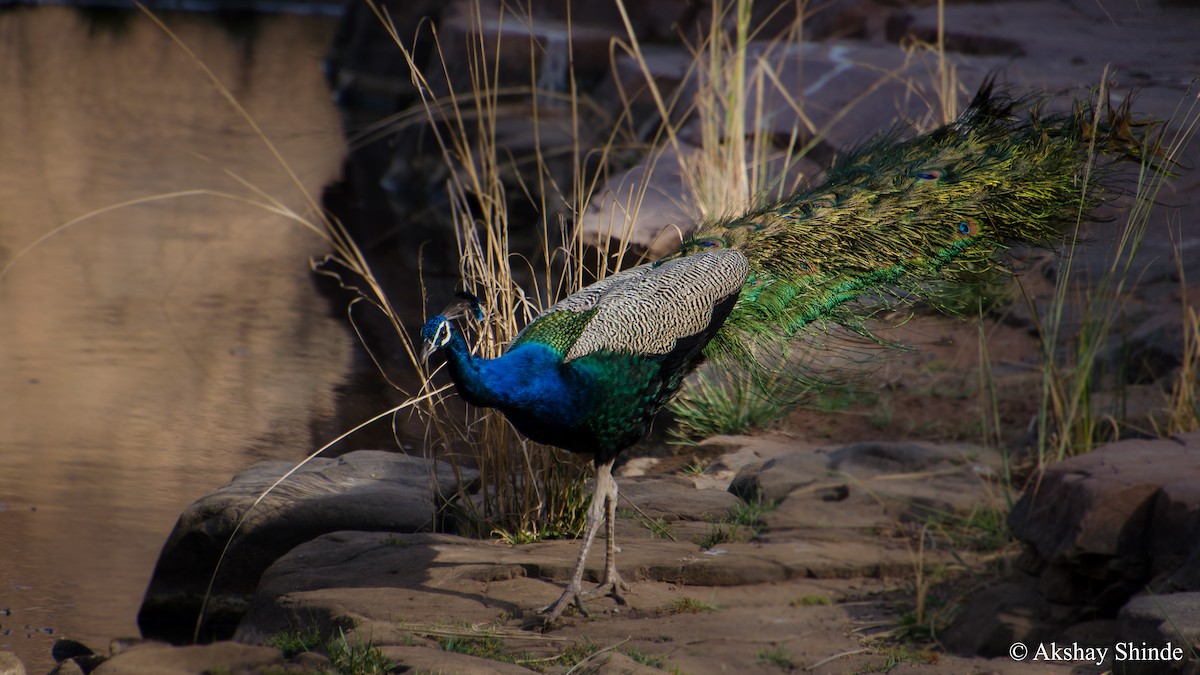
[
  {"x": 439, "y": 331},
  {"x": 435, "y": 335}
]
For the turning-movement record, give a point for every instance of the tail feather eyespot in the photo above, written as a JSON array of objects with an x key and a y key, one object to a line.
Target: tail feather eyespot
[{"x": 968, "y": 227}]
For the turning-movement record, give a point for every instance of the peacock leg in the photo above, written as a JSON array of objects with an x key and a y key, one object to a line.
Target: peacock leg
[
  {"x": 611, "y": 583},
  {"x": 595, "y": 513}
]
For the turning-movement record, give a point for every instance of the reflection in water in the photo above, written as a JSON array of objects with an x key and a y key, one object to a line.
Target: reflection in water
[{"x": 150, "y": 352}]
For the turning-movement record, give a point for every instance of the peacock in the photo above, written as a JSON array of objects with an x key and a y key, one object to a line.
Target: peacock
[{"x": 892, "y": 218}]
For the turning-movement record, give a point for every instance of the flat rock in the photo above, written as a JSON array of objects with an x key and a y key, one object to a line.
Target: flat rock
[
  {"x": 875, "y": 458},
  {"x": 164, "y": 659},
  {"x": 426, "y": 660},
  {"x": 673, "y": 498},
  {"x": 616, "y": 663},
  {"x": 870, "y": 485},
  {"x": 366, "y": 489},
  {"x": 345, "y": 578}
]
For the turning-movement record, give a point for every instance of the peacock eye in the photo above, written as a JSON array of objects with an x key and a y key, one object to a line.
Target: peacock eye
[
  {"x": 968, "y": 227},
  {"x": 443, "y": 334}
]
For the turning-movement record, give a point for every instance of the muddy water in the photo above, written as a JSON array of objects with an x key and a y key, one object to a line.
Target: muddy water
[{"x": 150, "y": 352}]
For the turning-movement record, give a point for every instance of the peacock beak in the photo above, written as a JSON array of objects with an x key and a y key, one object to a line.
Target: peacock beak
[{"x": 427, "y": 350}]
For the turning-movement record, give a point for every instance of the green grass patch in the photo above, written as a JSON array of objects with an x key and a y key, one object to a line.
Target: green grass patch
[
  {"x": 842, "y": 398},
  {"x": 645, "y": 659},
  {"x": 697, "y": 467},
  {"x": 687, "y": 605},
  {"x": 716, "y": 536},
  {"x": 777, "y": 657},
  {"x": 894, "y": 655},
  {"x": 483, "y": 646},
  {"x": 576, "y": 653},
  {"x": 984, "y": 529},
  {"x": 811, "y": 601},
  {"x": 659, "y": 527},
  {"x": 296, "y": 641},
  {"x": 742, "y": 522},
  {"x": 358, "y": 658}
]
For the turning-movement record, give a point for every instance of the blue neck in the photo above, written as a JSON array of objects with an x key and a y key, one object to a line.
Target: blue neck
[
  {"x": 527, "y": 376},
  {"x": 529, "y": 384},
  {"x": 468, "y": 372}
]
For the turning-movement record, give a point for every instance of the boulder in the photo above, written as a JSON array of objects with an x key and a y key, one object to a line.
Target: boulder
[
  {"x": 772, "y": 479},
  {"x": 1161, "y": 621},
  {"x": 370, "y": 490},
  {"x": 1099, "y": 526},
  {"x": 1187, "y": 577},
  {"x": 71, "y": 657},
  {"x": 998, "y": 616},
  {"x": 10, "y": 664},
  {"x": 66, "y": 648}
]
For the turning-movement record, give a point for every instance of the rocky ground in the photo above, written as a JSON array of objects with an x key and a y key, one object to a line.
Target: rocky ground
[
  {"x": 865, "y": 548},
  {"x": 904, "y": 555}
]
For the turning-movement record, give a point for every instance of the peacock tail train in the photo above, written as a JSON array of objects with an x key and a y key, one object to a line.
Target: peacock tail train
[{"x": 902, "y": 214}]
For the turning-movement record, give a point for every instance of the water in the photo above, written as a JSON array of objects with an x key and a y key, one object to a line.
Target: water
[{"x": 148, "y": 353}]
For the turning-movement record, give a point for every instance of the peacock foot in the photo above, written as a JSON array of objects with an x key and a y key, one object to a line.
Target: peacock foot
[
  {"x": 555, "y": 609},
  {"x": 613, "y": 586}
]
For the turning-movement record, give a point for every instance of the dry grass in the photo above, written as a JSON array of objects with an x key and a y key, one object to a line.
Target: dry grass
[{"x": 526, "y": 490}]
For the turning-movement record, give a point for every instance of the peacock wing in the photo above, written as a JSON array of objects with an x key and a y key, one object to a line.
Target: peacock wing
[{"x": 645, "y": 310}]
